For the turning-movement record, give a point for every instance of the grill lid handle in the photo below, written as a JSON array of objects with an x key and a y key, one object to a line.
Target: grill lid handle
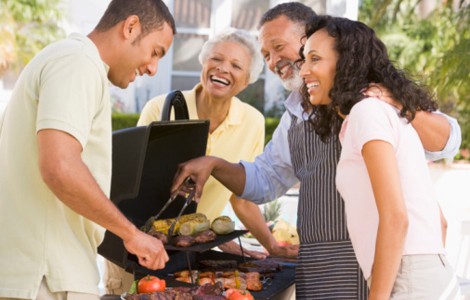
[{"x": 176, "y": 100}]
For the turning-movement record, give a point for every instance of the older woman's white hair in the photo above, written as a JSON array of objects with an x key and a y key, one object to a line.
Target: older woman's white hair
[{"x": 242, "y": 37}]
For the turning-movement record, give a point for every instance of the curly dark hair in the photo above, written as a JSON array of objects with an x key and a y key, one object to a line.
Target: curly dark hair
[
  {"x": 152, "y": 14},
  {"x": 362, "y": 61}
]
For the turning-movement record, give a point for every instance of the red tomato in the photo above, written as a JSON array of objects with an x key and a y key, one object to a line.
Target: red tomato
[
  {"x": 236, "y": 294},
  {"x": 150, "y": 284},
  {"x": 283, "y": 243}
]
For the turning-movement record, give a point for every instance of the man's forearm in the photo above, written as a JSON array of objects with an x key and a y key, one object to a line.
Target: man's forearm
[
  {"x": 433, "y": 130},
  {"x": 71, "y": 181},
  {"x": 231, "y": 175}
]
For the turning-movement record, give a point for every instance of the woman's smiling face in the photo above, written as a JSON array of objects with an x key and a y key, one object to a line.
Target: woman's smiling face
[
  {"x": 226, "y": 71},
  {"x": 319, "y": 67}
]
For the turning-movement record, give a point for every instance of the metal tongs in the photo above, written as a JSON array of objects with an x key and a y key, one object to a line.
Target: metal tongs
[{"x": 188, "y": 184}]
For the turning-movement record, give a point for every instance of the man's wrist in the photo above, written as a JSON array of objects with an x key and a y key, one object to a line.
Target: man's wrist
[{"x": 129, "y": 231}]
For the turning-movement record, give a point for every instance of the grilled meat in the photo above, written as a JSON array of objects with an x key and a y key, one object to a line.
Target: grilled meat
[
  {"x": 207, "y": 274},
  {"x": 206, "y": 292},
  {"x": 228, "y": 279},
  {"x": 184, "y": 241},
  {"x": 208, "y": 297},
  {"x": 150, "y": 296},
  {"x": 184, "y": 296},
  {"x": 253, "y": 282},
  {"x": 205, "y": 280},
  {"x": 186, "y": 279},
  {"x": 264, "y": 266},
  {"x": 210, "y": 289},
  {"x": 232, "y": 282},
  {"x": 205, "y": 236},
  {"x": 219, "y": 264},
  {"x": 183, "y": 273},
  {"x": 159, "y": 235}
]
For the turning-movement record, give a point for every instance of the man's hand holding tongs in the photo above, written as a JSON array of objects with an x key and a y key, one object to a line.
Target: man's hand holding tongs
[{"x": 192, "y": 174}]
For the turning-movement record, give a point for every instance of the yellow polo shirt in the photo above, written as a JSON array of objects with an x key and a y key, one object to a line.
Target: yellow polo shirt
[
  {"x": 65, "y": 87},
  {"x": 239, "y": 137}
]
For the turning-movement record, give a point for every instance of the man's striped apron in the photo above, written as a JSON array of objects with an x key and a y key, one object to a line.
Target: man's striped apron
[{"x": 327, "y": 267}]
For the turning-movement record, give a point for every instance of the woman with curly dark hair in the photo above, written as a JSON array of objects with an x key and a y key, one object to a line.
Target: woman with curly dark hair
[{"x": 393, "y": 218}]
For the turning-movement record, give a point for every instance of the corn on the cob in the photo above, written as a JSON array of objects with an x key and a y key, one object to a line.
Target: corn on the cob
[
  {"x": 163, "y": 225},
  {"x": 198, "y": 224},
  {"x": 223, "y": 225},
  {"x": 198, "y": 217},
  {"x": 194, "y": 227}
]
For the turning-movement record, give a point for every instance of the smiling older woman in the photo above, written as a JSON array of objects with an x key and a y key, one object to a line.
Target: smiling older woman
[{"x": 230, "y": 61}]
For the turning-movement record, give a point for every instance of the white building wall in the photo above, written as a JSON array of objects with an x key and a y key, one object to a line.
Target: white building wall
[
  {"x": 83, "y": 15},
  {"x": 343, "y": 8}
]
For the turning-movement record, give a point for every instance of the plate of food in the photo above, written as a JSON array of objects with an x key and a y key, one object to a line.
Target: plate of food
[{"x": 194, "y": 232}]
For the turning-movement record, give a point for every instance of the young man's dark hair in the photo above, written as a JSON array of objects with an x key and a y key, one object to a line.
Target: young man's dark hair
[{"x": 152, "y": 14}]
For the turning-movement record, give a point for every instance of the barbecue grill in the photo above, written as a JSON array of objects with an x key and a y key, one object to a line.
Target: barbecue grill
[{"x": 145, "y": 160}]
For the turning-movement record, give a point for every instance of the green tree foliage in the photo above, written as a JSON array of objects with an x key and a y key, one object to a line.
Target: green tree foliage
[
  {"x": 27, "y": 26},
  {"x": 436, "y": 49}
]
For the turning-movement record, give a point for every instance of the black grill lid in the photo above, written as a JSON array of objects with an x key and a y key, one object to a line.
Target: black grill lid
[
  {"x": 142, "y": 179},
  {"x": 144, "y": 162}
]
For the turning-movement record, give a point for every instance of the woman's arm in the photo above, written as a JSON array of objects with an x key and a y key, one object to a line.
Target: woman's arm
[
  {"x": 434, "y": 129},
  {"x": 383, "y": 172},
  {"x": 250, "y": 215}
]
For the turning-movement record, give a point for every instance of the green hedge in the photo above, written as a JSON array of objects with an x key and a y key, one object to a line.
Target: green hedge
[{"x": 121, "y": 121}]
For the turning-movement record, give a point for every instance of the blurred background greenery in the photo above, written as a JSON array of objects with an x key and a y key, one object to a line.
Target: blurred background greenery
[
  {"x": 433, "y": 45},
  {"x": 27, "y": 26}
]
